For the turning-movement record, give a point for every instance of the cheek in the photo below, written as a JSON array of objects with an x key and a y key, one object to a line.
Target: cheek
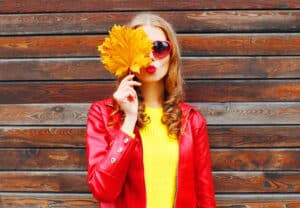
[{"x": 165, "y": 65}]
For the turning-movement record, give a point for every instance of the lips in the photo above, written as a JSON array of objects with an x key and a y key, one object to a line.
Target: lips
[{"x": 151, "y": 69}]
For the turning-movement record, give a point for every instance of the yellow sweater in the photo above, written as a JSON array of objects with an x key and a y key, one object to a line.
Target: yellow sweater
[{"x": 160, "y": 153}]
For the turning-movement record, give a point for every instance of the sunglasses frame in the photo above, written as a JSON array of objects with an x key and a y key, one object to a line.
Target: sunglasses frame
[{"x": 163, "y": 54}]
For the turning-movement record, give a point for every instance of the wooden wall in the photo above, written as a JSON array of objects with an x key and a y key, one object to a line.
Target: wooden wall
[{"x": 242, "y": 68}]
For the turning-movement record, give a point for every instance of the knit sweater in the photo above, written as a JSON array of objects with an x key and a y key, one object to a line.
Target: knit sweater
[{"x": 160, "y": 157}]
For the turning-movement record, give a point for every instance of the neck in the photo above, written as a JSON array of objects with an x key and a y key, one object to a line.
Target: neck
[{"x": 153, "y": 93}]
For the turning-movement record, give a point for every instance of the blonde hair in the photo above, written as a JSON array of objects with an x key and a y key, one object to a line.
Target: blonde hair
[{"x": 173, "y": 80}]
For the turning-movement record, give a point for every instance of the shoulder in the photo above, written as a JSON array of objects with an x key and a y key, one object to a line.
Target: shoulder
[
  {"x": 106, "y": 103},
  {"x": 101, "y": 106},
  {"x": 193, "y": 114}
]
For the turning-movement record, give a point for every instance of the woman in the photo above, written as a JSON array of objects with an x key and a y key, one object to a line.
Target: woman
[{"x": 145, "y": 147}]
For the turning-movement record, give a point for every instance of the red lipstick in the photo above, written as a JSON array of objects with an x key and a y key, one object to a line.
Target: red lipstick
[{"x": 151, "y": 69}]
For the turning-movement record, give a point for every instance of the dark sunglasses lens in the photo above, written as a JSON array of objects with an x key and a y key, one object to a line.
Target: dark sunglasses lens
[{"x": 161, "y": 46}]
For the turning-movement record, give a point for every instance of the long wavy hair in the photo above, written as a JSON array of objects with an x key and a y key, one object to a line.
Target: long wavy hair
[{"x": 173, "y": 81}]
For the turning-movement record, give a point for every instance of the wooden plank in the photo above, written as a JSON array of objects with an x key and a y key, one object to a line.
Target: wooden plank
[
  {"x": 186, "y": 21},
  {"x": 240, "y": 67},
  {"x": 193, "y": 68},
  {"x": 224, "y": 159},
  {"x": 43, "y": 114},
  {"x": 219, "y": 136},
  {"x": 54, "y": 69},
  {"x": 255, "y": 159},
  {"x": 244, "y": 44},
  {"x": 258, "y": 201},
  {"x": 250, "y": 113},
  {"x": 34, "y": 200},
  {"x": 242, "y": 91},
  {"x": 31, "y": 6},
  {"x": 42, "y": 159},
  {"x": 227, "y": 182},
  {"x": 63, "y": 137},
  {"x": 215, "y": 91},
  {"x": 191, "y": 45},
  {"x": 59, "y": 92},
  {"x": 44, "y": 181},
  {"x": 254, "y": 136},
  {"x": 215, "y": 113},
  {"x": 257, "y": 182}
]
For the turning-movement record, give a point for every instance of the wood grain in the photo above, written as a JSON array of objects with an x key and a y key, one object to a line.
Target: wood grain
[
  {"x": 250, "y": 113},
  {"x": 215, "y": 91},
  {"x": 258, "y": 201},
  {"x": 255, "y": 159},
  {"x": 191, "y": 45},
  {"x": 242, "y": 91},
  {"x": 33, "y": 200},
  {"x": 238, "y": 182},
  {"x": 222, "y": 159},
  {"x": 183, "y": 22},
  {"x": 258, "y": 113},
  {"x": 54, "y": 69},
  {"x": 75, "y": 182},
  {"x": 219, "y": 137},
  {"x": 42, "y": 159},
  {"x": 256, "y": 182},
  {"x": 193, "y": 68},
  {"x": 31, "y": 6},
  {"x": 63, "y": 137},
  {"x": 254, "y": 136},
  {"x": 44, "y": 114},
  {"x": 12, "y": 200}
]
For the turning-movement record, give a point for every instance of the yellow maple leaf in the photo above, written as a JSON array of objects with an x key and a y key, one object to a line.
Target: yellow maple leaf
[{"x": 125, "y": 49}]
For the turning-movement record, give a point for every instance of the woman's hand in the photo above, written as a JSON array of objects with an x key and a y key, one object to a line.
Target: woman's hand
[{"x": 126, "y": 97}]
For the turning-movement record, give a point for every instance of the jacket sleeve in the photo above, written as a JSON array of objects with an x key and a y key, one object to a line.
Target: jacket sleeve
[
  {"x": 203, "y": 172},
  {"x": 107, "y": 158}
]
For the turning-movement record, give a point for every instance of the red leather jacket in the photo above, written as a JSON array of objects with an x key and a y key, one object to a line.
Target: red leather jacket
[{"x": 115, "y": 162}]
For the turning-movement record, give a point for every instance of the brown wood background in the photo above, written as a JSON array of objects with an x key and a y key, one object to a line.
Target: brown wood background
[{"x": 242, "y": 68}]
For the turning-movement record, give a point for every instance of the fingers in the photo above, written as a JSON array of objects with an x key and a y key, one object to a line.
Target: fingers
[
  {"x": 128, "y": 80},
  {"x": 126, "y": 91}
]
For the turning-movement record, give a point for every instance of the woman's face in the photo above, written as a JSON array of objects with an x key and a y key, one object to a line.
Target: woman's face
[{"x": 158, "y": 68}]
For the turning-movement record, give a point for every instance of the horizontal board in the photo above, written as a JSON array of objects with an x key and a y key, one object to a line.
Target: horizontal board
[
  {"x": 243, "y": 182},
  {"x": 193, "y": 21},
  {"x": 258, "y": 201},
  {"x": 43, "y": 114},
  {"x": 242, "y": 91},
  {"x": 215, "y": 91},
  {"x": 193, "y": 68},
  {"x": 31, "y": 6},
  {"x": 254, "y": 136},
  {"x": 63, "y": 137},
  {"x": 215, "y": 113},
  {"x": 43, "y": 159},
  {"x": 44, "y": 181},
  {"x": 219, "y": 136},
  {"x": 22, "y": 200},
  {"x": 36, "y": 200},
  {"x": 251, "y": 159},
  {"x": 229, "y": 182},
  {"x": 225, "y": 159},
  {"x": 251, "y": 113},
  {"x": 191, "y": 45}
]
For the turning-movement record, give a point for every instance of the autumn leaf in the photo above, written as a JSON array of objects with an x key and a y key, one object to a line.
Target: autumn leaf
[{"x": 125, "y": 49}]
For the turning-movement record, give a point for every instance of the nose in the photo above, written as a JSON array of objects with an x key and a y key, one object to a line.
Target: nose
[{"x": 151, "y": 56}]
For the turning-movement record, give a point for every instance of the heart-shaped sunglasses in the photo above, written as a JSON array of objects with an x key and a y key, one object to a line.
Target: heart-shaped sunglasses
[{"x": 161, "y": 48}]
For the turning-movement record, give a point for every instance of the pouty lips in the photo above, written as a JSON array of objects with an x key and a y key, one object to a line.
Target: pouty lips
[{"x": 151, "y": 69}]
